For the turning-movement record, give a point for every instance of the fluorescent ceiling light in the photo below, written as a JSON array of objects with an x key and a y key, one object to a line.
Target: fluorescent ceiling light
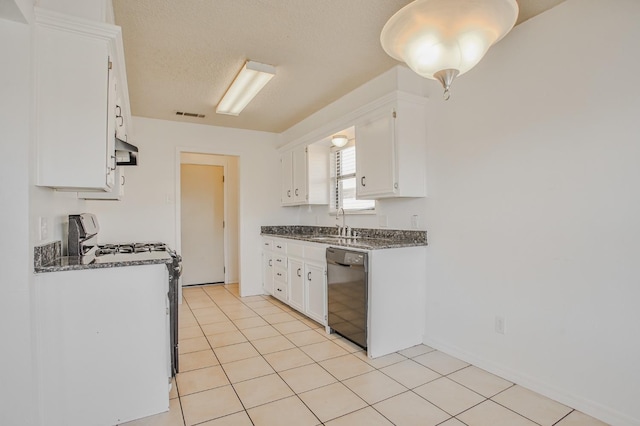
[{"x": 250, "y": 80}]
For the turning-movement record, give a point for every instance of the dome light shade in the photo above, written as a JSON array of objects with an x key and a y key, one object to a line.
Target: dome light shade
[
  {"x": 442, "y": 39},
  {"x": 339, "y": 140}
]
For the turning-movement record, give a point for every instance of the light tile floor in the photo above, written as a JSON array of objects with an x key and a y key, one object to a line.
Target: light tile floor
[{"x": 255, "y": 361}]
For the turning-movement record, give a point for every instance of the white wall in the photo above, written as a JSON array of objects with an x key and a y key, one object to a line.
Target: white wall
[
  {"x": 534, "y": 209},
  {"x": 18, "y": 389},
  {"x": 148, "y": 211}
]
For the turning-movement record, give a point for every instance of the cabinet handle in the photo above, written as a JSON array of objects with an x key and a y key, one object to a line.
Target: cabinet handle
[
  {"x": 296, "y": 192},
  {"x": 299, "y": 272},
  {"x": 270, "y": 262},
  {"x": 362, "y": 181},
  {"x": 115, "y": 160},
  {"x": 118, "y": 111},
  {"x": 121, "y": 121},
  {"x": 309, "y": 276},
  {"x": 279, "y": 260},
  {"x": 289, "y": 193},
  {"x": 279, "y": 289},
  {"x": 122, "y": 179},
  {"x": 279, "y": 246},
  {"x": 279, "y": 274}
]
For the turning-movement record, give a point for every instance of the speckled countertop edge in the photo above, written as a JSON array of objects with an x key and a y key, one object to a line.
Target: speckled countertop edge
[
  {"x": 47, "y": 258},
  {"x": 72, "y": 263},
  {"x": 370, "y": 239}
]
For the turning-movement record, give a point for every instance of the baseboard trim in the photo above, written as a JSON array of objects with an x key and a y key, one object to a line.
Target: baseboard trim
[{"x": 591, "y": 408}]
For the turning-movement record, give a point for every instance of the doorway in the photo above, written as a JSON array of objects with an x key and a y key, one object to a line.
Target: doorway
[
  {"x": 230, "y": 165},
  {"x": 202, "y": 224}
]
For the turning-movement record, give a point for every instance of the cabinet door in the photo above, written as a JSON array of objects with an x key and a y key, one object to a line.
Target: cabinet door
[
  {"x": 375, "y": 156},
  {"x": 111, "y": 128},
  {"x": 316, "y": 303},
  {"x": 72, "y": 90},
  {"x": 296, "y": 284},
  {"x": 286, "y": 176},
  {"x": 300, "y": 175},
  {"x": 267, "y": 272},
  {"x": 120, "y": 123}
]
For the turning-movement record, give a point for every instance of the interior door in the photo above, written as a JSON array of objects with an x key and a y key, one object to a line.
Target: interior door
[{"x": 202, "y": 223}]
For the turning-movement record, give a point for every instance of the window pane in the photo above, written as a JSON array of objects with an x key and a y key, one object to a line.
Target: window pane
[
  {"x": 348, "y": 161},
  {"x": 343, "y": 170},
  {"x": 349, "y": 201}
]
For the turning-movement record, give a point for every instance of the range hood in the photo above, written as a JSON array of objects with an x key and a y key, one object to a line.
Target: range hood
[{"x": 126, "y": 154}]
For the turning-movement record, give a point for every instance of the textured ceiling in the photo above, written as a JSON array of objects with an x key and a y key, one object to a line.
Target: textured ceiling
[{"x": 181, "y": 55}]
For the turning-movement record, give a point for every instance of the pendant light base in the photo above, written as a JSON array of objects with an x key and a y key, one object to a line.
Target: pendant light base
[{"x": 446, "y": 77}]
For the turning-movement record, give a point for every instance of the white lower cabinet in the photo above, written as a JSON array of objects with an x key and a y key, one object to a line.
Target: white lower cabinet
[
  {"x": 316, "y": 292},
  {"x": 295, "y": 273},
  {"x": 296, "y": 284},
  {"x": 280, "y": 284},
  {"x": 102, "y": 338},
  {"x": 267, "y": 271}
]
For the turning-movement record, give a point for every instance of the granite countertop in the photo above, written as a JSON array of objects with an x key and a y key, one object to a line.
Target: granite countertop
[
  {"x": 368, "y": 239},
  {"x": 47, "y": 259}
]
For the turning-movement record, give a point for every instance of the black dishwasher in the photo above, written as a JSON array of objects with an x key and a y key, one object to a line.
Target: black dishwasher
[{"x": 347, "y": 294}]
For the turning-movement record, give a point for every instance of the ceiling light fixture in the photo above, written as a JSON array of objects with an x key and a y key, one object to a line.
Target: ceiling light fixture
[
  {"x": 339, "y": 140},
  {"x": 250, "y": 80},
  {"x": 442, "y": 39}
]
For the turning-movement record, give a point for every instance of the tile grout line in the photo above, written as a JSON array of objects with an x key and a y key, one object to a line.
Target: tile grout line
[
  {"x": 256, "y": 349},
  {"x": 281, "y": 378},
  {"x": 221, "y": 367},
  {"x": 280, "y": 334}
]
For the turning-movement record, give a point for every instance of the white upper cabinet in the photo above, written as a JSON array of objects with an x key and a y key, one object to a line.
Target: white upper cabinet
[
  {"x": 391, "y": 150},
  {"x": 286, "y": 176},
  {"x": 120, "y": 120},
  {"x": 116, "y": 193},
  {"x": 77, "y": 64},
  {"x": 300, "y": 176},
  {"x": 305, "y": 174},
  {"x": 375, "y": 155}
]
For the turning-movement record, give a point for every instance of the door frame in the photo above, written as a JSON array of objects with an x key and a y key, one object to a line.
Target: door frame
[
  {"x": 178, "y": 203},
  {"x": 215, "y": 163}
]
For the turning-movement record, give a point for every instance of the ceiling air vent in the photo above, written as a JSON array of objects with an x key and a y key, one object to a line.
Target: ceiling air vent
[{"x": 189, "y": 114}]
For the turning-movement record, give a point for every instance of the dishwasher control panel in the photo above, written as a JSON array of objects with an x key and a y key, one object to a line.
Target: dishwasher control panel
[{"x": 351, "y": 258}]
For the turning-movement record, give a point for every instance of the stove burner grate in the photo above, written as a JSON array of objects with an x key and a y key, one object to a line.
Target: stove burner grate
[{"x": 129, "y": 248}]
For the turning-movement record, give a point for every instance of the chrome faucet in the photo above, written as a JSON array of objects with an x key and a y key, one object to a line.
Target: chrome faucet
[{"x": 341, "y": 231}]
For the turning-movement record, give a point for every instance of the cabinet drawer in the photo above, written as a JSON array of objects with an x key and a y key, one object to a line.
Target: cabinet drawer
[
  {"x": 279, "y": 246},
  {"x": 280, "y": 275},
  {"x": 280, "y": 291},
  {"x": 280, "y": 261}
]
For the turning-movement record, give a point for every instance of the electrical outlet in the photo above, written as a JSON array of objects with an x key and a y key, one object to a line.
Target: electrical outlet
[
  {"x": 44, "y": 228},
  {"x": 414, "y": 221},
  {"x": 500, "y": 324}
]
